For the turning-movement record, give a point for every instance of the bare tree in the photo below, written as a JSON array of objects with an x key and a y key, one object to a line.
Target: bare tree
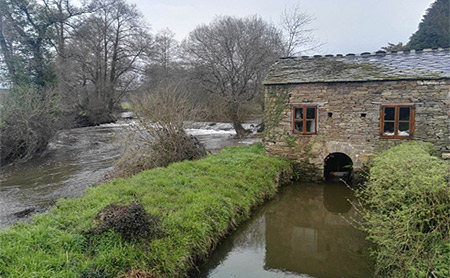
[
  {"x": 297, "y": 33},
  {"x": 107, "y": 53},
  {"x": 163, "y": 66},
  {"x": 64, "y": 14},
  {"x": 231, "y": 57},
  {"x": 165, "y": 48}
]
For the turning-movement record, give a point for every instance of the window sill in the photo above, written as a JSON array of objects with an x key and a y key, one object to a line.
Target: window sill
[
  {"x": 397, "y": 137},
  {"x": 304, "y": 133}
]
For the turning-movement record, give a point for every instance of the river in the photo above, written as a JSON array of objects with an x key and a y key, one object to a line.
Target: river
[
  {"x": 304, "y": 231},
  {"x": 78, "y": 158}
]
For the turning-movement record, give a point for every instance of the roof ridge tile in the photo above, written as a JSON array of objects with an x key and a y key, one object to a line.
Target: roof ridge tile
[{"x": 368, "y": 54}]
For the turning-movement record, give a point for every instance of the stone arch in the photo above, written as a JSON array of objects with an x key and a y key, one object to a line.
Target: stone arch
[
  {"x": 337, "y": 166},
  {"x": 342, "y": 147}
]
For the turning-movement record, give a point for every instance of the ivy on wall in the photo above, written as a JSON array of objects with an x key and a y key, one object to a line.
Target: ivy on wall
[{"x": 276, "y": 102}]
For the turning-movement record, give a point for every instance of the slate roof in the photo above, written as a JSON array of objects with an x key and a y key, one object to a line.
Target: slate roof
[{"x": 413, "y": 64}]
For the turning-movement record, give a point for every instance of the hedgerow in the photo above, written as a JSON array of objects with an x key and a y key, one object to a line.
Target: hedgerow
[
  {"x": 406, "y": 211},
  {"x": 196, "y": 203}
]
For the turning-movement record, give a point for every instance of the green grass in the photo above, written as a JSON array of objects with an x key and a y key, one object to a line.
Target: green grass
[
  {"x": 198, "y": 202},
  {"x": 126, "y": 106}
]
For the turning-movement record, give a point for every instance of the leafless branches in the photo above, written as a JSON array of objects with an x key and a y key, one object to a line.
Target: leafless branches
[
  {"x": 231, "y": 56},
  {"x": 27, "y": 122},
  {"x": 158, "y": 138},
  {"x": 165, "y": 49},
  {"x": 297, "y": 32},
  {"x": 107, "y": 51},
  {"x": 97, "y": 51}
]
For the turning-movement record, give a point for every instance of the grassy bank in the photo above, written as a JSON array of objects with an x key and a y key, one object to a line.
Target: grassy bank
[
  {"x": 407, "y": 201},
  {"x": 197, "y": 203}
]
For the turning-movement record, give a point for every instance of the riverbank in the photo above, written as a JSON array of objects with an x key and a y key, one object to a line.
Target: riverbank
[
  {"x": 197, "y": 203},
  {"x": 80, "y": 157}
]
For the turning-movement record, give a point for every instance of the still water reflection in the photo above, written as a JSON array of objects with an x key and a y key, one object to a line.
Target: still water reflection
[{"x": 303, "y": 232}]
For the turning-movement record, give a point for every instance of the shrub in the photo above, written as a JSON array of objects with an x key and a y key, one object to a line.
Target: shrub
[
  {"x": 29, "y": 117},
  {"x": 406, "y": 205},
  {"x": 159, "y": 138}
]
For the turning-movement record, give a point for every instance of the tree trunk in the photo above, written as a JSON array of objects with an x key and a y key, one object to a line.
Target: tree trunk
[
  {"x": 7, "y": 54},
  {"x": 237, "y": 122},
  {"x": 240, "y": 130}
]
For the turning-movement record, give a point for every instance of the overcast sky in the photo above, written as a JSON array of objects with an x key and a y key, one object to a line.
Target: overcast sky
[{"x": 344, "y": 26}]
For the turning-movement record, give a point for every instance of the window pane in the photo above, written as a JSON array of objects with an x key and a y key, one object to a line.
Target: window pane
[
  {"x": 310, "y": 126},
  {"x": 388, "y": 129},
  {"x": 389, "y": 113},
  {"x": 299, "y": 126},
  {"x": 403, "y": 129},
  {"x": 310, "y": 113},
  {"x": 404, "y": 113},
  {"x": 299, "y": 113}
]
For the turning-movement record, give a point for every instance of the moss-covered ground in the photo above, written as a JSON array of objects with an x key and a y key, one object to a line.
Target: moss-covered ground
[{"x": 197, "y": 201}]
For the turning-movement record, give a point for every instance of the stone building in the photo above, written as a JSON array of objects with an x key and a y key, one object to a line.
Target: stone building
[{"x": 331, "y": 113}]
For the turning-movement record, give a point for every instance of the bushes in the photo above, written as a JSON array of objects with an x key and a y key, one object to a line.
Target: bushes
[
  {"x": 159, "y": 138},
  {"x": 406, "y": 208},
  {"x": 29, "y": 117},
  {"x": 197, "y": 203}
]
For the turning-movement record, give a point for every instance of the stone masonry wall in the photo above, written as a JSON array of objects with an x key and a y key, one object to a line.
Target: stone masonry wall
[{"x": 347, "y": 131}]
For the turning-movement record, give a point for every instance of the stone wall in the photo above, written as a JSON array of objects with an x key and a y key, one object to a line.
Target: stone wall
[{"x": 353, "y": 128}]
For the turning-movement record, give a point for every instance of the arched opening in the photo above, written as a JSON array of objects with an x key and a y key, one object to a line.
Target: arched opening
[{"x": 338, "y": 166}]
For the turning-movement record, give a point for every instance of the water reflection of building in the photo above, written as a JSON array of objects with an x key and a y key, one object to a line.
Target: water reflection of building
[{"x": 306, "y": 234}]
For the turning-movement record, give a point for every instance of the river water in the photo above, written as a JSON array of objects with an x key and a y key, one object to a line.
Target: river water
[
  {"x": 78, "y": 158},
  {"x": 304, "y": 231}
]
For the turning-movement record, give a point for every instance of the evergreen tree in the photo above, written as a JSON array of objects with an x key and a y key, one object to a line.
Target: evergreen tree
[{"x": 434, "y": 29}]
